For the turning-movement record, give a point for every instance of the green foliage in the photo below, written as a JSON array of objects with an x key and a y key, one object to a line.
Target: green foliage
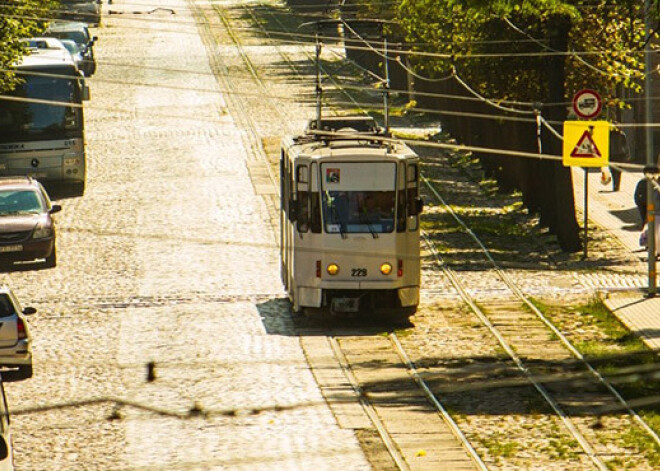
[
  {"x": 20, "y": 19},
  {"x": 501, "y": 47}
]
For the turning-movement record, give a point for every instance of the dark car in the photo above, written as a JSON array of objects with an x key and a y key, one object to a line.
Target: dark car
[
  {"x": 88, "y": 11},
  {"x": 27, "y": 229},
  {"x": 79, "y": 33}
]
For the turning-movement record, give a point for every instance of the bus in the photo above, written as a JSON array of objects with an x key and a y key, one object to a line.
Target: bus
[
  {"x": 350, "y": 235},
  {"x": 41, "y": 121}
]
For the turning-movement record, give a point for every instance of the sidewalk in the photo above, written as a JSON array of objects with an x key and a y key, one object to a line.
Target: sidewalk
[{"x": 616, "y": 212}]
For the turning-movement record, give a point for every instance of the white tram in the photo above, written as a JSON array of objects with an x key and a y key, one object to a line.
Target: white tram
[{"x": 349, "y": 219}]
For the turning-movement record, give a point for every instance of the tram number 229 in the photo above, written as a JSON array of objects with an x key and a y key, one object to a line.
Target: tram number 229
[{"x": 358, "y": 272}]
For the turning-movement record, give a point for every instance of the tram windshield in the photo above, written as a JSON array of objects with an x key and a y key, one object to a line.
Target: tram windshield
[{"x": 358, "y": 211}]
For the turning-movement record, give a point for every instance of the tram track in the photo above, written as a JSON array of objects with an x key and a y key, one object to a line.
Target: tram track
[
  {"x": 450, "y": 439},
  {"x": 359, "y": 374}
]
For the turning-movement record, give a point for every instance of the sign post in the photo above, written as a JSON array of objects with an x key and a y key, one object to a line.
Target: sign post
[{"x": 586, "y": 144}]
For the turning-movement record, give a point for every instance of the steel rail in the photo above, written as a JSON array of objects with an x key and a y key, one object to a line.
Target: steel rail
[
  {"x": 369, "y": 409},
  {"x": 458, "y": 285},
  {"x": 433, "y": 399},
  {"x": 525, "y": 299}
]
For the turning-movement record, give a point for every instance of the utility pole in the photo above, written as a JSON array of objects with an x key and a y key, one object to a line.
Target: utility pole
[{"x": 650, "y": 157}]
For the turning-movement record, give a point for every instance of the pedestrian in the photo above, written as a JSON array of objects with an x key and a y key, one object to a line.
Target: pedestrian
[
  {"x": 640, "y": 199},
  {"x": 619, "y": 152},
  {"x": 641, "y": 202}
]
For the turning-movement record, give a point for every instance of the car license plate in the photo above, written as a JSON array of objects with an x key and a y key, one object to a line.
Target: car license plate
[
  {"x": 11, "y": 248},
  {"x": 345, "y": 304}
]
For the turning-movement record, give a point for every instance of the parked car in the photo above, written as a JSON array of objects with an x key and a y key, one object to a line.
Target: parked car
[
  {"x": 6, "y": 453},
  {"x": 76, "y": 53},
  {"x": 78, "y": 32},
  {"x": 15, "y": 340},
  {"x": 52, "y": 47},
  {"x": 88, "y": 11},
  {"x": 27, "y": 228}
]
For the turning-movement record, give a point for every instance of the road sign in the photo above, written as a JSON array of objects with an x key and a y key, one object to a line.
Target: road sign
[
  {"x": 587, "y": 104},
  {"x": 586, "y": 143}
]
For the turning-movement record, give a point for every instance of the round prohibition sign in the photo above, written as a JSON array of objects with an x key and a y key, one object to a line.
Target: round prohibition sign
[{"x": 587, "y": 104}]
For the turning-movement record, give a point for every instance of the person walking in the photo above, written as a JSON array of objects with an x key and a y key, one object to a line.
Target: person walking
[
  {"x": 642, "y": 207},
  {"x": 619, "y": 152},
  {"x": 640, "y": 199}
]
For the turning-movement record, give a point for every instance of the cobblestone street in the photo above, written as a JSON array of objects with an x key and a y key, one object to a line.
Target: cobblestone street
[
  {"x": 168, "y": 258},
  {"x": 163, "y": 339}
]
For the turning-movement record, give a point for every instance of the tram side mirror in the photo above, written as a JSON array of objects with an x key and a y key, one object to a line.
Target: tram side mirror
[
  {"x": 85, "y": 92},
  {"x": 417, "y": 207}
]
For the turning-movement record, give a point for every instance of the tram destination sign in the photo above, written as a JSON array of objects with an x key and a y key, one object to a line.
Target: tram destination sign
[{"x": 587, "y": 104}]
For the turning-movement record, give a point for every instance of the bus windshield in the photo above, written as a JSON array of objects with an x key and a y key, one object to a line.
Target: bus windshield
[
  {"x": 20, "y": 120},
  {"x": 358, "y": 211}
]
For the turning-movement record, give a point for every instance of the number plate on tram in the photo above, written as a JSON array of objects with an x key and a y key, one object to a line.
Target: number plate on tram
[
  {"x": 11, "y": 248},
  {"x": 345, "y": 304}
]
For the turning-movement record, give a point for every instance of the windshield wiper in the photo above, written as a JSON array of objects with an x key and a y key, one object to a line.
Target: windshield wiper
[{"x": 365, "y": 217}]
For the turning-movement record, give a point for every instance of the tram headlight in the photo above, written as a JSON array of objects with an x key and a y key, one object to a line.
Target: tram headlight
[
  {"x": 386, "y": 268},
  {"x": 332, "y": 269}
]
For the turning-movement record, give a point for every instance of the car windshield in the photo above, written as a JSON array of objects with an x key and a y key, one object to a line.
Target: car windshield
[
  {"x": 71, "y": 46},
  {"x": 19, "y": 202},
  {"x": 358, "y": 211},
  {"x": 78, "y": 37}
]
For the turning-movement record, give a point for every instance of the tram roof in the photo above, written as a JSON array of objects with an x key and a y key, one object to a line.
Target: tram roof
[{"x": 347, "y": 147}]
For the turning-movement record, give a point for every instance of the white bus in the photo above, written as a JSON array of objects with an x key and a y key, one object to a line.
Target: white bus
[
  {"x": 41, "y": 121},
  {"x": 350, "y": 240}
]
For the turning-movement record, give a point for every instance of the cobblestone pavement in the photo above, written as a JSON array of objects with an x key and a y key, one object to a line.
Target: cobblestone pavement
[{"x": 166, "y": 259}]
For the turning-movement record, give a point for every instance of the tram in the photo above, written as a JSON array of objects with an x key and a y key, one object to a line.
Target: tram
[{"x": 349, "y": 220}]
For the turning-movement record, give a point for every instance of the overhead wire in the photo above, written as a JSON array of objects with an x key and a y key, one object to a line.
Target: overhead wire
[{"x": 400, "y": 51}]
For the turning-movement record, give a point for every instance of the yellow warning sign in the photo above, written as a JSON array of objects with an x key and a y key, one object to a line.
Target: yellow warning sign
[{"x": 586, "y": 143}]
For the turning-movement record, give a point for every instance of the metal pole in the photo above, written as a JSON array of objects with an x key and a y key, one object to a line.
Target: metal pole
[
  {"x": 586, "y": 210},
  {"x": 319, "y": 90},
  {"x": 650, "y": 157},
  {"x": 386, "y": 95}
]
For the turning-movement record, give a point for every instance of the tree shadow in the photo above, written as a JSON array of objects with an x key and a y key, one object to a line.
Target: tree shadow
[{"x": 482, "y": 384}]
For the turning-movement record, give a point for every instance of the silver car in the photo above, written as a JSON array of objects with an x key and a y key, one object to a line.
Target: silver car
[{"x": 15, "y": 340}]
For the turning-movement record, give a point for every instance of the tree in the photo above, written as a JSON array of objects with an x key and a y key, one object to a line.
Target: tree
[
  {"x": 19, "y": 19},
  {"x": 524, "y": 52}
]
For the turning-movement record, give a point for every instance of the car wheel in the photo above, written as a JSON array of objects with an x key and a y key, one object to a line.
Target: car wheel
[
  {"x": 51, "y": 260},
  {"x": 25, "y": 372}
]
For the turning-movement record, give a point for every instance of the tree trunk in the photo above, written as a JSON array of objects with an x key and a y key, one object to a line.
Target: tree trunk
[{"x": 558, "y": 204}]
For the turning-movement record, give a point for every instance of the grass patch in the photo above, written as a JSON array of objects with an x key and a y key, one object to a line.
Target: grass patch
[
  {"x": 637, "y": 438},
  {"x": 609, "y": 346},
  {"x": 499, "y": 447}
]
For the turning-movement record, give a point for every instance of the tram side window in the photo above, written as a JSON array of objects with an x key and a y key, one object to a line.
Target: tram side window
[
  {"x": 412, "y": 197},
  {"x": 412, "y": 177},
  {"x": 302, "y": 193},
  {"x": 401, "y": 211},
  {"x": 303, "y": 211},
  {"x": 315, "y": 213}
]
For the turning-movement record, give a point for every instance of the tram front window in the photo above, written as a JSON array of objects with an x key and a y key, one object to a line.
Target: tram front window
[{"x": 358, "y": 211}]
